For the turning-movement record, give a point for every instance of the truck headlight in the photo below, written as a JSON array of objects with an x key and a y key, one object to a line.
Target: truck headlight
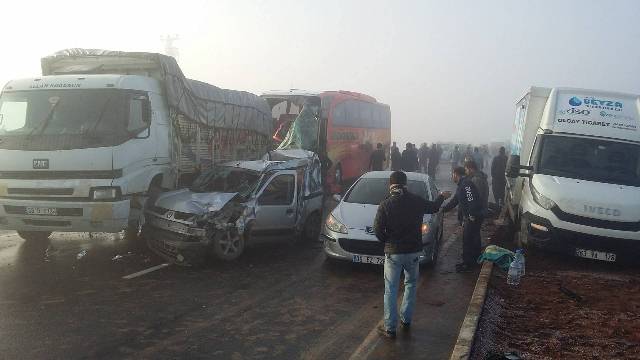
[
  {"x": 540, "y": 199},
  {"x": 335, "y": 225},
  {"x": 105, "y": 193}
]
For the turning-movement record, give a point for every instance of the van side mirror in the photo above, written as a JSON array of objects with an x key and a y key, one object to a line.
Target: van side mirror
[{"x": 514, "y": 167}]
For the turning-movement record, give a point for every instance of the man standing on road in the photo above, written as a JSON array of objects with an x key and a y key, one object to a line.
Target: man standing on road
[
  {"x": 423, "y": 158},
  {"x": 479, "y": 179},
  {"x": 377, "y": 159},
  {"x": 478, "y": 158},
  {"x": 434, "y": 160},
  {"x": 498, "y": 180},
  {"x": 398, "y": 225},
  {"x": 396, "y": 159},
  {"x": 468, "y": 198},
  {"x": 409, "y": 158}
]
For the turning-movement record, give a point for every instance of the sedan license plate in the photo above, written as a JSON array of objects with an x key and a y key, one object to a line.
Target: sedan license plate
[
  {"x": 41, "y": 211},
  {"x": 596, "y": 255},
  {"x": 365, "y": 259}
]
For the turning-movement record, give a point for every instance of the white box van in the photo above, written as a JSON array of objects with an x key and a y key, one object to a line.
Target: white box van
[{"x": 574, "y": 173}]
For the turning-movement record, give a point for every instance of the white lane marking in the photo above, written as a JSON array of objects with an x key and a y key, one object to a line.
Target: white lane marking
[
  {"x": 373, "y": 339},
  {"x": 146, "y": 271}
]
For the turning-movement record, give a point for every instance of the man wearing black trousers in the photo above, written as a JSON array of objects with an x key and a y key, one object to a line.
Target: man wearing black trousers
[{"x": 468, "y": 197}]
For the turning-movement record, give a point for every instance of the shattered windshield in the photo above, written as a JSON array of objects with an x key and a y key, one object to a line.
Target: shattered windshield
[
  {"x": 226, "y": 179},
  {"x": 303, "y": 133}
]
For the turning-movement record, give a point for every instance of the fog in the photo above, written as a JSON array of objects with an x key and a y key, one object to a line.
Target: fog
[{"x": 450, "y": 70}]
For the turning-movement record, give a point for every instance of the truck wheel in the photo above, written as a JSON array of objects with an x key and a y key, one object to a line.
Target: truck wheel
[
  {"x": 134, "y": 228},
  {"x": 34, "y": 235},
  {"x": 228, "y": 245}
]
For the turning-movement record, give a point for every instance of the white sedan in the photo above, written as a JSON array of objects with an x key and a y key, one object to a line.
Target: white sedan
[{"x": 348, "y": 231}]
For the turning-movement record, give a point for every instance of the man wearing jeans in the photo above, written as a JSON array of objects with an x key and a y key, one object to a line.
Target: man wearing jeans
[{"x": 398, "y": 225}]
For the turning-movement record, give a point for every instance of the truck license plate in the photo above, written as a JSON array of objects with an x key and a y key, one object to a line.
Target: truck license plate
[
  {"x": 596, "y": 255},
  {"x": 41, "y": 211},
  {"x": 365, "y": 259}
]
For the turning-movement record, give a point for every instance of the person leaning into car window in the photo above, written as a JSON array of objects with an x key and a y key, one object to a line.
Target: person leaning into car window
[{"x": 397, "y": 225}]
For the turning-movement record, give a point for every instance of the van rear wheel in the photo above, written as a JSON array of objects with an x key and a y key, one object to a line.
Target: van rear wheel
[{"x": 34, "y": 235}]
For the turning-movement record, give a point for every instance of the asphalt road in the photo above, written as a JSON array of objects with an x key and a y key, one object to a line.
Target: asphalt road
[{"x": 67, "y": 298}]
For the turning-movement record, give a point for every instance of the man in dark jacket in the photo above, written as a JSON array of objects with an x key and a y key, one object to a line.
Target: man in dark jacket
[
  {"x": 409, "y": 158},
  {"x": 479, "y": 179},
  {"x": 398, "y": 225},
  {"x": 396, "y": 159},
  {"x": 498, "y": 180},
  {"x": 468, "y": 198},
  {"x": 377, "y": 159}
]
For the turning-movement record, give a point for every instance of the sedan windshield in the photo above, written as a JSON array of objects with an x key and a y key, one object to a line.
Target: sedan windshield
[
  {"x": 226, "y": 179},
  {"x": 372, "y": 191},
  {"x": 590, "y": 159}
]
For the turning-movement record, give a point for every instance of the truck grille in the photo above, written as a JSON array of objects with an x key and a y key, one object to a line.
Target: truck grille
[
  {"x": 33, "y": 222},
  {"x": 37, "y": 191},
  {"x": 598, "y": 223},
  {"x": 362, "y": 247}
]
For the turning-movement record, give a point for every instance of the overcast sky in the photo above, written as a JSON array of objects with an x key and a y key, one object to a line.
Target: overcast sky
[{"x": 450, "y": 70}]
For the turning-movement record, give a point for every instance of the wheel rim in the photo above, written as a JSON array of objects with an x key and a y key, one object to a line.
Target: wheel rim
[{"x": 230, "y": 245}]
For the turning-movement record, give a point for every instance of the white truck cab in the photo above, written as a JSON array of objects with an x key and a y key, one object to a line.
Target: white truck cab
[
  {"x": 83, "y": 147},
  {"x": 78, "y": 153},
  {"x": 574, "y": 173}
]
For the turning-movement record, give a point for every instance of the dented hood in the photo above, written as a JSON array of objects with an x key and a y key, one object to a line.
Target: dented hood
[{"x": 187, "y": 201}]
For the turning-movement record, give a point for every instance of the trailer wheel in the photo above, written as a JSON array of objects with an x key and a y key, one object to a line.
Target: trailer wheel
[
  {"x": 34, "y": 236},
  {"x": 228, "y": 244}
]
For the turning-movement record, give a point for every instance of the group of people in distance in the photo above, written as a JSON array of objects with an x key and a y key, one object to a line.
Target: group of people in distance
[{"x": 424, "y": 160}]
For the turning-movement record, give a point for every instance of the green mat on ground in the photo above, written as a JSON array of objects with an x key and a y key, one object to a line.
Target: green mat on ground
[{"x": 497, "y": 255}]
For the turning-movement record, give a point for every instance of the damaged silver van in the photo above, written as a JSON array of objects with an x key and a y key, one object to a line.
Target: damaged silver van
[{"x": 238, "y": 204}]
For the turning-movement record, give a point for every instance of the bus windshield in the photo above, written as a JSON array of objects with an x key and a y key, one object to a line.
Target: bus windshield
[
  {"x": 304, "y": 132},
  {"x": 588, "y": 159}
]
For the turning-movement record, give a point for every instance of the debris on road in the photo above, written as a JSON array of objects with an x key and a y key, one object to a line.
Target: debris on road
[{"x": 81, "y": 254}]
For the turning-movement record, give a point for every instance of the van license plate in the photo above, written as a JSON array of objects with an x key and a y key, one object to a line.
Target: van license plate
[
  {"x": 365, "y": 259},
  {"x": 596, "y": 255},
  {"x": 41, "y": 211}
]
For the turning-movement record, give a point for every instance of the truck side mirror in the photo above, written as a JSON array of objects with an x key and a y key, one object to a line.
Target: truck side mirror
[{"x": 513, "y": 167}]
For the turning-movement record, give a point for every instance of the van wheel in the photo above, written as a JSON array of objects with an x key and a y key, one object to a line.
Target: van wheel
[
  {"x": 228, "y": 244},
  {"x": 34, "y": 235}
]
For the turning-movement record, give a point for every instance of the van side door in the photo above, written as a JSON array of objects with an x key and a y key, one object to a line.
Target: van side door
[{"x": 276, "y": 207}]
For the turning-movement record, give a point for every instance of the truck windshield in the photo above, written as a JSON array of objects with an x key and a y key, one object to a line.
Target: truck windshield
[
  {"x": 68, "y": 118},
  {"x": 226, "y": 179},
  {"x": 596, "y": 160}
]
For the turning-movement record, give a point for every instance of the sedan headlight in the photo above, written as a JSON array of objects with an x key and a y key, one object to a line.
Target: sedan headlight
[
  {"x": 335, "y": 225},
  {"x": 105, "y": 193},
  {"x": 540, "y": 199}
]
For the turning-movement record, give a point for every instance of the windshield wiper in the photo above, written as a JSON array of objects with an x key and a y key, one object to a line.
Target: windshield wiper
[
  {"x": 99, "y": 120},
  {"x": 44, "y": 123}
]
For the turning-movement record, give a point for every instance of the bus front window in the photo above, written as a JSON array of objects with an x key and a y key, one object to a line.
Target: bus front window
[{"x": 303, "y": 133}]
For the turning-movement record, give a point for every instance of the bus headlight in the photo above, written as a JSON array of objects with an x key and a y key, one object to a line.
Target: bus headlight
[{"x": 540, "y": 199}]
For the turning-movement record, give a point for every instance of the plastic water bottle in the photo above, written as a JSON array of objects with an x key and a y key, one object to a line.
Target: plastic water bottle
[
  {"x": 520, "y": 259},
  {"x": 513, "y": 276}
]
